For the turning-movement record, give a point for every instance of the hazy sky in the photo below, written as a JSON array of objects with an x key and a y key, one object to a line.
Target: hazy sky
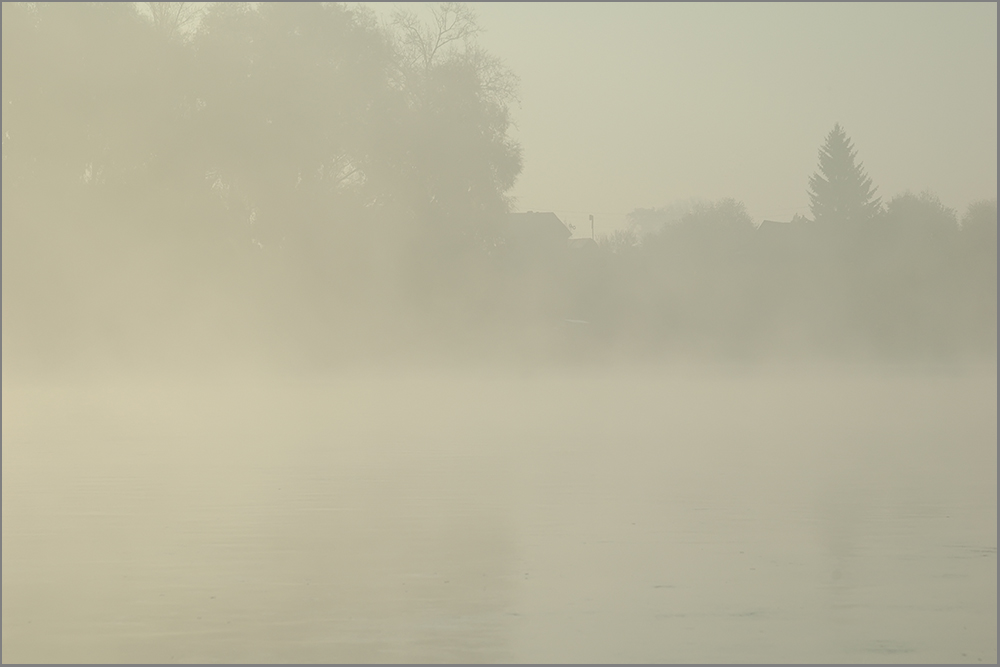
[{"x": 627, "y": 105}]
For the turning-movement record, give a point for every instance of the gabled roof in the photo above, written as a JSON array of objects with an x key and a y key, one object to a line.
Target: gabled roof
[
  {"x": 771, "y": 227},
  {"x": 796, "y": 222},
  {"x": 783, "y": 236},
  {"x": 537, "y": 225}
]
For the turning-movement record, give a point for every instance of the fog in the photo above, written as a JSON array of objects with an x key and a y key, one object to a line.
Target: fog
[
  {"x": 300, "y": 366},
  {"x": 630, "y": 105},
  {"x": 572, "y": 516}
]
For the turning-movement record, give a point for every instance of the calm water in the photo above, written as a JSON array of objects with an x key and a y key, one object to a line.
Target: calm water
[{"x": 709, "y": 516}]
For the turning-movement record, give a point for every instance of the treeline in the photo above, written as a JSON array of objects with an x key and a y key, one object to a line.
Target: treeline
[
  {"x": 303, "y": 184},
  {"x": 912, "y": 281},
  {"x": 296, "y": 178},
  {"x": 859, "y": 279}
]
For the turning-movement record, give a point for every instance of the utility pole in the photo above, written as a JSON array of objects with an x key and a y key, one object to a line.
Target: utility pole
[{"x": 592, "y": 228}]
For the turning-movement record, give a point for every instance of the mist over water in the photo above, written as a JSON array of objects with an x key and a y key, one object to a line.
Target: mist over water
[
  {"x": 814, "y": 515},
  {"x": 288, "y": 376}
]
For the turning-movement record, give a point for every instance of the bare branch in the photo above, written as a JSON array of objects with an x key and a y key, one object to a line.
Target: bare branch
[
  {"x": 453, "y": 23},
  {"x": 175, "y": 19}
]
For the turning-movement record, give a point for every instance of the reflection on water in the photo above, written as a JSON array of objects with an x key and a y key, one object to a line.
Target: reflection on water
[{"x": 430, "y": 517}]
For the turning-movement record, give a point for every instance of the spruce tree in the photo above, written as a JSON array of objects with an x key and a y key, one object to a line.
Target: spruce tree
[{"x": 841, "y": 192}]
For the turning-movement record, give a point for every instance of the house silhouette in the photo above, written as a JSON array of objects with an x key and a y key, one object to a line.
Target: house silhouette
[{"x": 536, "y": 231}]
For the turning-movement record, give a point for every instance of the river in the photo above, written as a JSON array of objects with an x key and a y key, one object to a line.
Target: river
[{"x": 659, "y": 515}]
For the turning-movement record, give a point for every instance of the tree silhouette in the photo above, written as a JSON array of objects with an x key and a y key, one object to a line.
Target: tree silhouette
[
  {"x": 453, "y": 156},
  {"x": 841, "y": 192}
]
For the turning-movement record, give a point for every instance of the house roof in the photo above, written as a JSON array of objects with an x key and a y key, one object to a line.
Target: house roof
[
  {"x": 536, "y": 225},
  {"x": 782, "y": 236},
  {"x": 771, "y": 227}
]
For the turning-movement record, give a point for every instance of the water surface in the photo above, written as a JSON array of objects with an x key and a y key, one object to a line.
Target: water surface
[{"x": 590, "y": 516}]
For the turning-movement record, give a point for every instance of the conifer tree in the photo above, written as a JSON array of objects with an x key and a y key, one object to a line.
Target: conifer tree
[{"x": 841, "y": 192}]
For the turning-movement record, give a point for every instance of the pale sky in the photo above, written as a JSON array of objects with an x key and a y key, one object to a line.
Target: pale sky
[{"x": 627, "y": 105}]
